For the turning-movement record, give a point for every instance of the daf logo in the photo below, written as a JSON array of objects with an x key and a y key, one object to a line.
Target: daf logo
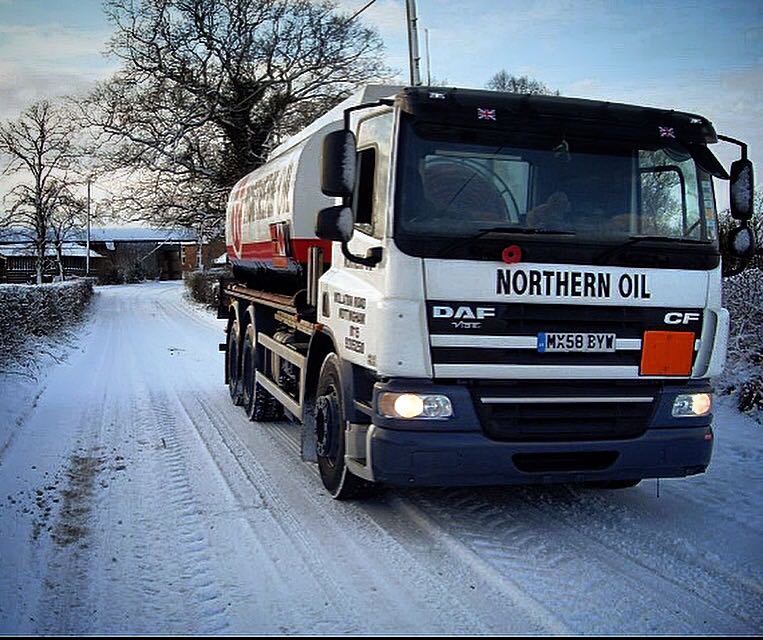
[
  {"x": 681, "y": 317},
  {"x": 464, "y": 313}
]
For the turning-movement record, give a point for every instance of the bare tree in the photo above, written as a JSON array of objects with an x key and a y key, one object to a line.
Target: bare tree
[
  {"x": 504, "y": 81},
  {"x": 65, "y": 217},
  {"x": 208, "y": 87},
  {"x": 39, "y": 148}
]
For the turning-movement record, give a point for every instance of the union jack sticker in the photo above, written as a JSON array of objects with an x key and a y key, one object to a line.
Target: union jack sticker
[
  {"x": 486, "y": 114},
  {"x": 667, "y": 132}
]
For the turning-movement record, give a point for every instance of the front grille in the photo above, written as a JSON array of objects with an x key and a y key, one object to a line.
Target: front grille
[
  {"x": 476, "y": 355},
  {"x": 569, "y": 414},
  {"x": 451, "y": 321}
]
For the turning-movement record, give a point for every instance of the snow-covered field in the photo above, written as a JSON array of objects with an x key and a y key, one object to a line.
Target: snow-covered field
[{"x": 134, "y": 498}]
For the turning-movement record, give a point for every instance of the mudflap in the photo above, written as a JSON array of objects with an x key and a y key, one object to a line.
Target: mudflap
[{"x": 309, "y": 442}]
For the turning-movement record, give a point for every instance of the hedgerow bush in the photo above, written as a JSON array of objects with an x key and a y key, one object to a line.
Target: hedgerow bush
[
  {"x": 29, "y": 313},
  {"x": 202, "y": 286},
  {"x": 743, "y": 376}
]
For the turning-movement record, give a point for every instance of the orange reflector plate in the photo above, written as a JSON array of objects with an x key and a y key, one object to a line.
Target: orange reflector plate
[{"x": 667, "y": 353}]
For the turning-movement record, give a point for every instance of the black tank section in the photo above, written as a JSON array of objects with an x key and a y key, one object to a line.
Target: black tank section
[{"x": 261, "y": 275}]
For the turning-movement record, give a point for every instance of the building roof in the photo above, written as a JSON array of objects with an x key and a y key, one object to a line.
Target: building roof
[
  {"x": 137, "y": 234},
  {"x": 17, "y": 235},
  {"x": 69, "y": 250}
]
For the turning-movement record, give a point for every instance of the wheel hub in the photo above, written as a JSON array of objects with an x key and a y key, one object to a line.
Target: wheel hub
[{"x": 326, "y": 427}]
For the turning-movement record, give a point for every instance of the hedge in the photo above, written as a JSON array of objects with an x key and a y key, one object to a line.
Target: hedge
[
  {"x": 39, "y": 311},
  {"x": 743, "y": 376},
  {"x": 203, "y": 286}
]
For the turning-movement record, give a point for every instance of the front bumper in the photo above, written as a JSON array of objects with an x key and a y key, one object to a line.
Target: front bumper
[
  {"x": 457, "y": 452},
  {"x": 460, "y": 459}
]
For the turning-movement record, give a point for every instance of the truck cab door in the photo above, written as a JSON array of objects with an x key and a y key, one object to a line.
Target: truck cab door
[{"x": 354, "y": 290}]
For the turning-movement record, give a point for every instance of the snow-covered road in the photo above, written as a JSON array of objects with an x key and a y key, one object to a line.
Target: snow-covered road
[{"x": 136, "y": 499}]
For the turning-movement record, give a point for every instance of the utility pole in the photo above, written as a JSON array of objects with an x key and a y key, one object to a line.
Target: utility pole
[
  {"x": 87, "y": 244},
  {"x": 200, "y": 254},
  {"x": 413, "y": 43},
  {"x": 429, "y": 65}
]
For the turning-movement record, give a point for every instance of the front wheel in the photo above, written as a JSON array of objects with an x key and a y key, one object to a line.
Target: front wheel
[{"x": 330, "y": 425}]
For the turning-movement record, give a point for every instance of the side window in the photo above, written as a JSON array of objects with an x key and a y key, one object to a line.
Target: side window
[
  {"x": 364, "y": 200},
  {"x": 669, "y": 196},
  {"x": 371, "y": 195},
  {"x": 663, "y": 201}
]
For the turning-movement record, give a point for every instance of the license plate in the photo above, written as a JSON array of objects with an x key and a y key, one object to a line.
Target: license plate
[{"x": 576, "y": 342}]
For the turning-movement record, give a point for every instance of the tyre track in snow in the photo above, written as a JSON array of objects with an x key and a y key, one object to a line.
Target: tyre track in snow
[
  {"x": 135, "y": 537},
  {"x": 224, "y": 530},
  {"x": 360, "y": 549},
  {"x": 65, "y": 603},
  {"x": 535, "y": 546},
  {"x": 280, "y": 565},
  {"x": 595, "y": 517},
  {"x": 376, "y": 546},
  {"x": 397, "y": 517},
  {"x": 193, "y": 549},
  {"x": 72, "y": 603},
  {"x": 296, "y": 573},
  {"x": 541, "y": 547},
  {"x": 596, "y": 587},
  {"x": 277, "y": 526},
  {"x": 183, "y": 513}
]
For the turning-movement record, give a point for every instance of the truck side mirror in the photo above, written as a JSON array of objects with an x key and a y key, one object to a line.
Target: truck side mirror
[
  {"x": 741, "y": 189},
  {"x": 337, "y": 224},
  {"x": 741, "y": 242},
  {"x": 338, "y": 160},
  {"x": 334, "y": 223}
]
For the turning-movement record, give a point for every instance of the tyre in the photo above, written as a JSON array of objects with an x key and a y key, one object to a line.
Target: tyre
[
  {"x": 233, "y": 362},
  {"x": 611, "y": 484},
  {"x": 330, "y": 425},
  {"x": 258, "y": 403}
]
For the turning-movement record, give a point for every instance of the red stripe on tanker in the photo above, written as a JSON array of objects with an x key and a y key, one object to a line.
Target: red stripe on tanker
[{"x": 265, "y": 252}]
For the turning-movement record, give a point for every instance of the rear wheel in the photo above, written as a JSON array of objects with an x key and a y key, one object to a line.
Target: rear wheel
[
  {"x": 233, "y": 362},
  {"x": 258, "y": 403},
  {"x": 330, "y": 425}
]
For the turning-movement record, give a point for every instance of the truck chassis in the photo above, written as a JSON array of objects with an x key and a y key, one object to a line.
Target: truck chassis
[{"x": 280, "y": 361}]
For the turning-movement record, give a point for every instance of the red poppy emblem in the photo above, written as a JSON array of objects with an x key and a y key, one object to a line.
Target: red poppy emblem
[{"x": 512, "y": 254}]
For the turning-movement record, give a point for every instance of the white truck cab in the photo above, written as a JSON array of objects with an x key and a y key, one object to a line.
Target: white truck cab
[{"x": 498, "y": 288}]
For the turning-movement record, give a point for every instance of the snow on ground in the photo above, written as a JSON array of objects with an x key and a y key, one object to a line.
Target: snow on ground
[{"x": 134, "y": 498}]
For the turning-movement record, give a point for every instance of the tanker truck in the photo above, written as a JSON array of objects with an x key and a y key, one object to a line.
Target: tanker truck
[{"x": 460, "y": 287}]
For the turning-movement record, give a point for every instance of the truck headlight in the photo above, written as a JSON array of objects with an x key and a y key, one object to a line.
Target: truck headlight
[
  {"x": 415, "y": 406},
  {"x": 692, "y": 405}
]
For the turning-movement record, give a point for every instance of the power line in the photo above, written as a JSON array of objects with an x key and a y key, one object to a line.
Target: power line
[{"x": 357, "y": 13}]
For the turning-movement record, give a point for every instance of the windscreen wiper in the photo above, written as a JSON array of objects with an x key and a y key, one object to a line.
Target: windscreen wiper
[
  {"x": 612, "y": 251},
  {"x": 503, "y": 230}
]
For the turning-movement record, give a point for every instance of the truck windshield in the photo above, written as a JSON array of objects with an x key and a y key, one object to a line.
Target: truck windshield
[{"x": 601, "y": 192}]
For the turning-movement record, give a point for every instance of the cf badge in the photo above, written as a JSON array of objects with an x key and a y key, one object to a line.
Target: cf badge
[{"x": 681, "y": 317}]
